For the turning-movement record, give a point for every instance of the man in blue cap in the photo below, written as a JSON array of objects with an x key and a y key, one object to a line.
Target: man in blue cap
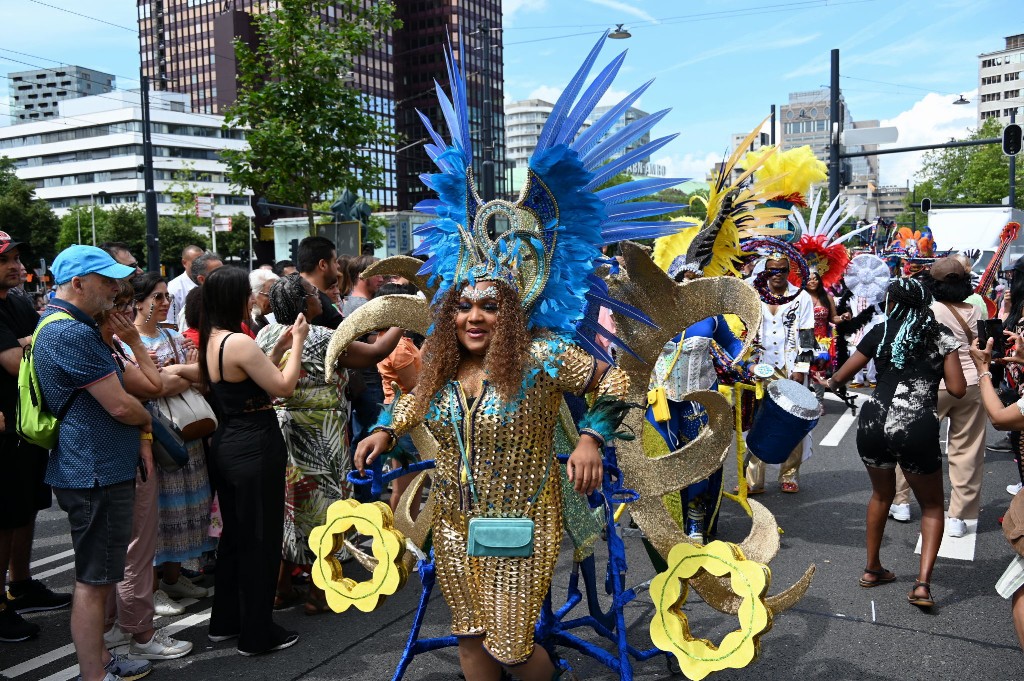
[{"x": 92, "y": 468}]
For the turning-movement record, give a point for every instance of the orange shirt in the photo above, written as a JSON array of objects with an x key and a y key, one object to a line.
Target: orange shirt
[{"x": 404, "y": 354}]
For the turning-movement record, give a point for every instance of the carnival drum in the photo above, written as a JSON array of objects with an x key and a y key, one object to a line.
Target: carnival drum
[{"x": 787, "y": 415}]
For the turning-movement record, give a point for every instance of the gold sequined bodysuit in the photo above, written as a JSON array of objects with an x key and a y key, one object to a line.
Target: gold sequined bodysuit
[{"x": 509, "y": 448}]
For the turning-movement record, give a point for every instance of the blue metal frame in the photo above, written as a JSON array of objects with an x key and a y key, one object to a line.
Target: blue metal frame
[{"x": 552, "y": 628}]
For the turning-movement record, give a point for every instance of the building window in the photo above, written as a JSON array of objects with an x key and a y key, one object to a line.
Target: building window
[
  {"x": 1012, "y": 76},
  {"x": 1010, "y": 94}
]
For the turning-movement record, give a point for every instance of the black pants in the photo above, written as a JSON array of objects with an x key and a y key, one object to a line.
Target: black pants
[{"x": 247, "y": 468}]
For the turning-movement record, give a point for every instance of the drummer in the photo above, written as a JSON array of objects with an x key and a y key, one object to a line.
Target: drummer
[{"x": 788, "y": 342}]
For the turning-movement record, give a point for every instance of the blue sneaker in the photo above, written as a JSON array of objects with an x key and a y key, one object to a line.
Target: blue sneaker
[{"x": 129, "y": 670}]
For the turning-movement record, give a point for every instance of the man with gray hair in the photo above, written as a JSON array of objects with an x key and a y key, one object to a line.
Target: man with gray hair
[
  {"x": 182, "y": 284},
  {"x": 105, "y": 435},
  {"x": 199, "y": 269}
]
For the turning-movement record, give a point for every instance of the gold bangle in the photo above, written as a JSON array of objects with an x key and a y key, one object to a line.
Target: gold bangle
[{"x": 146, "y": 437}]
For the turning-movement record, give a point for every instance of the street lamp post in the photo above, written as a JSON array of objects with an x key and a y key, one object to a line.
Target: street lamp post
[
  {"x": 836, "y": 127},
  {"x": 152, "y": 233}
]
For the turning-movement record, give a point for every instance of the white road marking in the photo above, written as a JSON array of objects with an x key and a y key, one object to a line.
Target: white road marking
[
  {"x": 69, "y": 649},
  {"x": 846, "y": 419},
  {"x": 958, "y": 548},
  {"x": 55, "y": 557},
  {"x": 54, "y": 571}
]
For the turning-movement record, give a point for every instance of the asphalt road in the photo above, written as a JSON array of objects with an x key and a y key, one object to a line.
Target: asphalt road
[{"x": 838, "y": 631}]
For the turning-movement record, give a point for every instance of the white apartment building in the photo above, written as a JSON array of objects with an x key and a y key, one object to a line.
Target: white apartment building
[
  {"x": 37, "y": 94},
  {"x": 523, "y": 122},
  {"x": 92, "y": 153},
  {"x": 999, "y": 81},
  {"x": 525, "y": 119}
]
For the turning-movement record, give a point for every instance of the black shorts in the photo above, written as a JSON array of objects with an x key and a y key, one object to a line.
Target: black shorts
[
  {"x": 101, "y": 527},
  {"x": 24, "y": 492}
]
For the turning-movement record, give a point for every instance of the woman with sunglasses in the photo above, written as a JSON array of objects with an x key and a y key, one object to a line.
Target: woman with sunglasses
[{"x": 184, "y": 494}]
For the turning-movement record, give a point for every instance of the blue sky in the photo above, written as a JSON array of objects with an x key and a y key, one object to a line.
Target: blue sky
[{"x": 719, "y": 65}]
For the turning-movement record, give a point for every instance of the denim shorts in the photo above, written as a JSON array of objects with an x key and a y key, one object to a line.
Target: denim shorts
[{"x": 101, "y": 527}]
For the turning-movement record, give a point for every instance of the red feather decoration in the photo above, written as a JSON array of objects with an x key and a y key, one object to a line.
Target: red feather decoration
[{"x": 829, "y": 261}]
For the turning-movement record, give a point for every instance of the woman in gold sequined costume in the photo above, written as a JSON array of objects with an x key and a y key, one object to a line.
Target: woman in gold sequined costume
[{"x": 484, "y": 373}]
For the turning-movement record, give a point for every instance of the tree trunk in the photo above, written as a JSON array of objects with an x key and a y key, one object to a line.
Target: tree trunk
[{"x": 312, "y": 217}]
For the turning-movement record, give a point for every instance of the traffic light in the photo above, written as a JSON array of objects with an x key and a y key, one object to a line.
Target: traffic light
[
  {"x": 293, "y": 250},
  {"x": 926, "y": 205},
  {"x": 1012, "y": 139},
  {"x": 845, "y": 174}
]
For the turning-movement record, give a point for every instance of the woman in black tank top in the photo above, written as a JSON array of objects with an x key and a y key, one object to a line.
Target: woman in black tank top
[{"x": 247, "y": 461}]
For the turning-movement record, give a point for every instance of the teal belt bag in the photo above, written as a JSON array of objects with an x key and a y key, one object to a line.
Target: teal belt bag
[
  {"x": 496, "y": 537},
  {"x": 500, "y": 537}
]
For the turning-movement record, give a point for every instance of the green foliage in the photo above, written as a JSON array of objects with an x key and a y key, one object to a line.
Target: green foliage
[
  {"x": 175, "y": 234},
  {"x": 306, "y": 123},
  {"x": 963, "y": 175},
  {"x": 25, "y": 217}
]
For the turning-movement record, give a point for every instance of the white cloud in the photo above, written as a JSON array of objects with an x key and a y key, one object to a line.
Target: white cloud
[
  {"x": 692, "y": 166},
  {"x": 509, "y": 8},
  {"x": 931, "y": 120},
  {"x": 625, "y": 8}
]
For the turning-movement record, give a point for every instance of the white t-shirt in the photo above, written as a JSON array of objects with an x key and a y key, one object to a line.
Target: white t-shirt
[{"x": 178, "y": 287}]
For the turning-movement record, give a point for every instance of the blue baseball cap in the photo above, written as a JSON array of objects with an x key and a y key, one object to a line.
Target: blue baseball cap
[{"x": 78, "y": 261}]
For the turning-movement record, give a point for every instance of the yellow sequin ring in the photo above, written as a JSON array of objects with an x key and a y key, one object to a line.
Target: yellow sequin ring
[
  {"x": 670, "y": 629},
  {"x": 376, "y": 521}
]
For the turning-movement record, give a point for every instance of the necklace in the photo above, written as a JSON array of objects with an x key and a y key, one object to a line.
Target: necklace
[{"x": 767, "y": 295}]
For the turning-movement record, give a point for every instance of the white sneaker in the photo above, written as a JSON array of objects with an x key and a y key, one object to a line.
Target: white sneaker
[
  {"x": 955, "y": 527},
  {"x": 1013, "y": 489},
  {"x": 183, "y": 588},
  {"x": 115, "y": 637},
  {"x": 164, "y": 606},
  {"x": 900, "y": 512},
  {"x": 160, "y": 647}
]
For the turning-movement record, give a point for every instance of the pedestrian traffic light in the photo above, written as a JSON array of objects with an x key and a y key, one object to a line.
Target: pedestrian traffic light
[
  {"x": 926, "y": 205},
  {"x": 846, "y": 174},
  {"x": 1012, "y": 139},
  {"x": 293, "y": 250}
]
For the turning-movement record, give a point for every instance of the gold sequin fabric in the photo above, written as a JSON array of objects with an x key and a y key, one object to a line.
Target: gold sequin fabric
[{"x": 509, "y": 449}]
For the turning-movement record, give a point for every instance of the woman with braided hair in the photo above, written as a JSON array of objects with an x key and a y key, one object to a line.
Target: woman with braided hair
[
  {"x": 314, "y": 423},
  {"x": 898, "y": 423}
]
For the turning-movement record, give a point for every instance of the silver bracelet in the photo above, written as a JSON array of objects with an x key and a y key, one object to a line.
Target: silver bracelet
[{"x": 983, "y": 375}]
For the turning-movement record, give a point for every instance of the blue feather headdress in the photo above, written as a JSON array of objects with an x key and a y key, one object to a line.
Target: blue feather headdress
[{"x": 560, "y": 220}]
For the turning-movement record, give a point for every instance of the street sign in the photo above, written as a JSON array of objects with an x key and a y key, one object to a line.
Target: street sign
[
  {"x": 862, "y": 136},
  {"x": 204, "y": 206},
  {"x": 222, "y": 224}
]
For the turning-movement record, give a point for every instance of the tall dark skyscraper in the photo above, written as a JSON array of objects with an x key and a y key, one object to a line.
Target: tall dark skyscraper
[
  {"x": 187, "y": 46},
  {"x": 476, "y": 37}
]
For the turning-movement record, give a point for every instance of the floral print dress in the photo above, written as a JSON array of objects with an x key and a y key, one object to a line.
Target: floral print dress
[{"x": 314, "y": 422}]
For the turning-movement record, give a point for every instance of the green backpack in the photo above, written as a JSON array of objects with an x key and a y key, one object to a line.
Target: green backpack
[{"x": 36, "y": 424}]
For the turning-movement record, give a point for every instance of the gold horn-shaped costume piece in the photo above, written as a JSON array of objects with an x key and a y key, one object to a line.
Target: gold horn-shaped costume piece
[
  {"x": 411, "y": 313},
  {"x": 673, "y": 307}
]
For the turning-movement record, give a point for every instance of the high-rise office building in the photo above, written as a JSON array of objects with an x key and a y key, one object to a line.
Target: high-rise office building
[
  {"x": 805, "y": 120},
  {"x": 36, "y": 95},
  {"x": 474, "y": 28},
  {"x": 999, "y": 79},
  {"x": 187, "y": 46}
]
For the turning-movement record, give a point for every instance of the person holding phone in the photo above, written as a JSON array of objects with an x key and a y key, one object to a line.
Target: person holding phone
[{"x": 950, "y": 285}]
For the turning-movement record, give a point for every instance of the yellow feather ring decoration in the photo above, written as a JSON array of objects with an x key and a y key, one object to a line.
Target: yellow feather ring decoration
[
  {"x": 376, "y": 521},
  {"x": 670, "y": 629}
]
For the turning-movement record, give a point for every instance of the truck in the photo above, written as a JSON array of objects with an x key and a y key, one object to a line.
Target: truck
[{"x": 960, "y": 229}]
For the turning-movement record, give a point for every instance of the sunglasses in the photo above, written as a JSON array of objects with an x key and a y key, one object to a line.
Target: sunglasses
[
  {"x": 163, "y": 296},
  {"x": 776, "y": 271}
]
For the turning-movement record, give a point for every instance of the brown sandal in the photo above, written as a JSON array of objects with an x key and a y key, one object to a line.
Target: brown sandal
[
  {"x": 921, "y": 601},
  {"x": 316, "y": 603},
  {"x": 286, "y": 599},
  {"x": 881, "y": 577}
]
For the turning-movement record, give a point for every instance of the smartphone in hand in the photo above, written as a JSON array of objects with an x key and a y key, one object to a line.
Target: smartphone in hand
[{"x": 992, "y": 328}]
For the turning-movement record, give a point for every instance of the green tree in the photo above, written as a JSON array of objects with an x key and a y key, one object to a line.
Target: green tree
[
  {"x": 25, "y": 217},
  {"x": 961, "y": 175},
  {"x": 175, "y": 234},
  {"x": 306, "y": 123}
]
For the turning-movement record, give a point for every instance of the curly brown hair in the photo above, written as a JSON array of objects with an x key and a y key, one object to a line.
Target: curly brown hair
[{"x": 506, "y": 356}]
